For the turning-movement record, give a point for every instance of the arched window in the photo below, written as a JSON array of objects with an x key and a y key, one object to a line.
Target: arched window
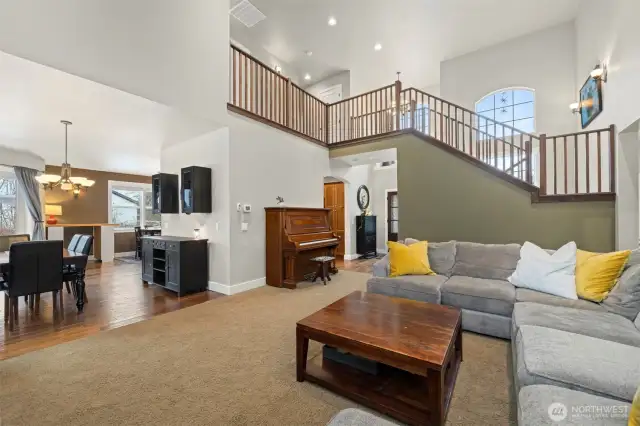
[{"x": 513, "y": 107}]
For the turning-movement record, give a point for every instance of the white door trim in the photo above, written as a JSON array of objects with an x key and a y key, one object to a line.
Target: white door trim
[{"x": 386, "y": 214}]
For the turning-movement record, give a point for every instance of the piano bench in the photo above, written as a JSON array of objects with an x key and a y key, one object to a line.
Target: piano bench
[{"x": 324, "y": 262}]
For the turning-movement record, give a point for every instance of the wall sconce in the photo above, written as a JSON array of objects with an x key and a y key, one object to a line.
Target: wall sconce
[
  {"x": 600, "y": 72},
  {"x": 575, "y": 107}
]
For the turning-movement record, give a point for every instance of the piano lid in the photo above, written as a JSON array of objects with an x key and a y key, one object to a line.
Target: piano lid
[{"x": 306, "y": 221}]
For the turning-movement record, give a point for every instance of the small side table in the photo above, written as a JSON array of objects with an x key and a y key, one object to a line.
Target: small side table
[{"x": 324, "y": 262}]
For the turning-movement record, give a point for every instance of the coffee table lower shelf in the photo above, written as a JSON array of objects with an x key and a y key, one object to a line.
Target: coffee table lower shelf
[{"x": 393, "y": 392}]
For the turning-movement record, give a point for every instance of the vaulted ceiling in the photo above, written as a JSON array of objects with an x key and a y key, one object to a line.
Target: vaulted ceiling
[{"x": 416, "y": 35}]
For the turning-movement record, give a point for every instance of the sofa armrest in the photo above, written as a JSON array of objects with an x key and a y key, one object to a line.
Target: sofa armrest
[{"x": 381, "y": 267}]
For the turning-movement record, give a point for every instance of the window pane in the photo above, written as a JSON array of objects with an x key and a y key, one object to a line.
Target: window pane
[
  {"x": 125, "y": 207},
  {"x": 150, "y": 219},
  {"x": 485, "y": 104},
  {"x": 523, "y": 111},
  {"x": 526, "y": 125},
  {"x": 520, "y": 96},
  {"x": 504, "y": 99},
  {"x": 8, "y": 191},
  {"x": 504, "y": 114}
]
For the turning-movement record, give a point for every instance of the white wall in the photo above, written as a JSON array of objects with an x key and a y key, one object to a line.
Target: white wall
[
  {"x": 353, "y": 177},
  {"x": 210, "y": 150},
  {"x": 543, "y": 61},
  {"x": 609, "y": 31},
  {"x": 628, "y": 196},
  {"x": 382, "y": 181},
  {"x": 266, "y": 163},
  {"x": 168, "y": 51},
  {"x": 343, "y": 78}
]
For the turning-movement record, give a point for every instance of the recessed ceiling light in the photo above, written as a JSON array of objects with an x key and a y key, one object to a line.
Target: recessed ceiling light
[
  {"x": 307, "y": 77},
  {"x": 332, "y": 21},
  {"x": 308, "y": 52},
  {"x": 377, "y": 46}
]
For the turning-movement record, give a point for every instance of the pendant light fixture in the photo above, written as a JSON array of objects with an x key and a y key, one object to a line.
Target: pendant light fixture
[{"x": 65, "y": 181}]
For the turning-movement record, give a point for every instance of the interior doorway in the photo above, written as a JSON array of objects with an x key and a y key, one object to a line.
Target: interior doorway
[
  {"x": 334, "y": 200},
  {"x": 392, "y": 215}
]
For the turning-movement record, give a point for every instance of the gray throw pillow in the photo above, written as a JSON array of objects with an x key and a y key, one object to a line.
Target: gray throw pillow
[
  {"x": 624, "y": 298},
  {"x": 441, "y": 256},
  {"x": 637, "y": 322}
]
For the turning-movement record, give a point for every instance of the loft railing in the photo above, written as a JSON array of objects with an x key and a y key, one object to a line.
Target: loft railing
[
  {"x": 496, "y": 144},
  {"x": 571, "y": 164},
  {"x": 264, "y": 93},
  {"x": 578, "y": 163}
]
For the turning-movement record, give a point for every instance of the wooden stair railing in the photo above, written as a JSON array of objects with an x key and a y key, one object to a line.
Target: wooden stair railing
[{"x": 563, "y": 166}]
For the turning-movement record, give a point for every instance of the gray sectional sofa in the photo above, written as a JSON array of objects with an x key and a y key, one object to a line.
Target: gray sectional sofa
[{"x": 573, "y": 352}]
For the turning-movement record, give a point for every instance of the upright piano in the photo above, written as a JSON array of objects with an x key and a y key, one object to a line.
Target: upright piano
[{"x": 294, "y": 236}]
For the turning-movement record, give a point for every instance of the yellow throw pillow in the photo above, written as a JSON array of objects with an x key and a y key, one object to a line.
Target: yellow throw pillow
[
  {"x": 634, "y": 415},
  {"x": 408, "y": 260},
  {"x": 597, "y": 273}
]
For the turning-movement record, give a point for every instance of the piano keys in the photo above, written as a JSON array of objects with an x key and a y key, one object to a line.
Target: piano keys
[{"x": 293, "y": 236}]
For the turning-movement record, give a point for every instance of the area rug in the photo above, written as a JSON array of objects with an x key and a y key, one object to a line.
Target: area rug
[{"x": 230, "y": 361}]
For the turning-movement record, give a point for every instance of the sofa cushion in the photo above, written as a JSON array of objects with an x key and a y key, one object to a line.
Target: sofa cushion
[
  {"x": 490, "y": 261},
  {"x": 442, "y": 256},
  {"x": 637, "y": 322},
  {"x": 624, "y": 298},
  {"x": 601, "y": 325},
  {"x": 534, "y": 402},
  {"x": 526, "y": 295},
  {"x": 425, "y": 288},
  {"x": 583, "y": 363},
  {"x": 478, "y": 294}
]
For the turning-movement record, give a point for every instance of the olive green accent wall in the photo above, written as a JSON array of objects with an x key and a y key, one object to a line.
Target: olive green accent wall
[{"x": 442, "y": 197}]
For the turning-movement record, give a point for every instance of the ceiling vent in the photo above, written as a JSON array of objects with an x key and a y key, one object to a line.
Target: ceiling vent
[{"x": 246, "y": 13}]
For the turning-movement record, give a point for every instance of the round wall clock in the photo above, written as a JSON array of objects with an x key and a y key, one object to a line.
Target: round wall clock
[{"x": 363, "y": 197}]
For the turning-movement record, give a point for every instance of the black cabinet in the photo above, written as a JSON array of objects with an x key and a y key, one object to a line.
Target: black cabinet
[
  {"x": 366, "y": 236},
  {"x": 195, "y": 190},
  {"x": 165, "y": 193},
  {"x": 176, "y": 263}
]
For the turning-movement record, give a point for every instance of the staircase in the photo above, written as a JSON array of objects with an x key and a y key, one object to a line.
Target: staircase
[{"x": 572, "y": 167}]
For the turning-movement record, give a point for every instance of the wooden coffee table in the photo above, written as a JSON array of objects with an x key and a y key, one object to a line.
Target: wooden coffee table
[{"x": 419, "y": 346}]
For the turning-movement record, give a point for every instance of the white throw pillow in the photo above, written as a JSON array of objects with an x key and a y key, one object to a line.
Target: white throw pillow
[{"x": 549, "y": 273}]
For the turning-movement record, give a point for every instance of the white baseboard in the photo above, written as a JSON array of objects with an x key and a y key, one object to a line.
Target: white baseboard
[
  {"x": 381, "y": 251},
  {"x": 237, "y": 288},
  {"x": 351, "y": 256}
]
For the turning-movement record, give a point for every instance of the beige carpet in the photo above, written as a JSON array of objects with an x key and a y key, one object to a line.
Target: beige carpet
[{"x": 230, "y": 361}]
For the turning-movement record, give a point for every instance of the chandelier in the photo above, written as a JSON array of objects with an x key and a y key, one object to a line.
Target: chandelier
[{"x": 65, "y": 181}]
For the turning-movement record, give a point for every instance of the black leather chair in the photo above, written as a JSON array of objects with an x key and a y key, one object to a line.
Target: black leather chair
[
  {"x": 74, "y": 242},
  {"x": 35, "y": 267},
  {"x": 77, "y": 270}
]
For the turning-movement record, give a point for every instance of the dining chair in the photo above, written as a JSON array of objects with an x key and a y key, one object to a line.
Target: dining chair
[
  {"x": 74, "y": 242},
  {"x": 77, "y": 269},
  {"x": 35, "y": 267},
  {"x": 138, "y": 232},
  {"x": 7, "y": 240}
]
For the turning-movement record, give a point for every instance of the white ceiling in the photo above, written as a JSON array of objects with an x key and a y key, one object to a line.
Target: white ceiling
[
  {"x": 112, "y": 130},
  {"x": 416, "y": 35}
]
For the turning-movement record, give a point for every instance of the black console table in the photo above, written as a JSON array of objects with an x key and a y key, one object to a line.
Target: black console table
[{"x": 176, "y": 263}]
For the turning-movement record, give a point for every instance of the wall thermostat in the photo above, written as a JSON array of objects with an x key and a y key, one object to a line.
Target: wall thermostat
[{"x": 247, "y": 208}]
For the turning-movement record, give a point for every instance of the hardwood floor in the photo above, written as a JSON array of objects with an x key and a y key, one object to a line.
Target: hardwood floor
[{"x": 117, "y": 297}]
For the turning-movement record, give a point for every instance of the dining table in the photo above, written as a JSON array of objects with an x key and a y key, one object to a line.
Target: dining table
[{"x": 69, "y": 258}]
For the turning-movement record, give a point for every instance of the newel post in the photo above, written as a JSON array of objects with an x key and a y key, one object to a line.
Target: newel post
[
  {"x": 398, "y": 103},
  {"x": 543, "y": 164},
  {"x": 612, "y": 158},
  {"x": 326, "y": 123}
]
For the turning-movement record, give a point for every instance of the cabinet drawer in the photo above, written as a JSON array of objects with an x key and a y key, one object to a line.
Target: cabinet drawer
[{"x": 173, "y": 246}]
